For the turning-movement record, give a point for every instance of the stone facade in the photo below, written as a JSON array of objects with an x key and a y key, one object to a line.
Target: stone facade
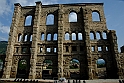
[{"x": 61, "y": 51}]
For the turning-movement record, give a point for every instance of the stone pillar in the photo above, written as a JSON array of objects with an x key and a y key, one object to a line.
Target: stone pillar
[
  {"x": 33, "y": 58},
  {"x": 114, "y": 53},
  {"x": 60, "y": 41},
  {"x": 11, "y": 41},
  {"x": 87, "y": 16}
]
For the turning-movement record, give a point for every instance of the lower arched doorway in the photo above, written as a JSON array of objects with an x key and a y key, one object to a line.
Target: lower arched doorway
[
  {"x": 23, "y": 69},
  {"x": 74, "y": 69},
  {"x": 47, "y": 69},
  {"x": 1, "y": 68},
  {"x": 101, "y": 68}
]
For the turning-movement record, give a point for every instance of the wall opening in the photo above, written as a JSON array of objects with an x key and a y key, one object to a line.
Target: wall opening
[
  {"x": 48, "y": 49},
  {"x": 73, "y": 36},
  {"x": 23, "y": 69},
  {"x": 19, "y": 37},
  {"x": 47, "y": 69},
  {"x": 67, "y": 36},
  {"x": 55, "y": 36},
  {"x": 95, "y": 16},
  {"x": 30, "y": 37},
  {"x": 50, "y": 19},
  {"x": 104, "y": 35},
  {"x": 92, "y": 36},
  {"x": 72, "y": 17},
  {"x": 80, "y": 37},
  {"x": 49, "y": 37},
  {"x": 25, "y": 37},
  {"x": 101, "y": 67},
  {"x": 98, "y": 35},
  {"x": 74, "y": 69},
  {"x": 42, "y": 36},
  {"x": 28, "y": 21}
]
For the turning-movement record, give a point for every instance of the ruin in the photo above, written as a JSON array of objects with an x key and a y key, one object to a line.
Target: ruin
[{"x": 53, "y": 36}]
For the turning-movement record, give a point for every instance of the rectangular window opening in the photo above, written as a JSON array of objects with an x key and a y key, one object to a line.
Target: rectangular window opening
[
  {"x": 93, "y": 48},
  {"x": 74, "y": 48},
  {"x": 48, "y": 49},
  {"x": 99, "y": 48},
  {"x": 67, "y": 49},
  {"x": 55, "y": 50}
]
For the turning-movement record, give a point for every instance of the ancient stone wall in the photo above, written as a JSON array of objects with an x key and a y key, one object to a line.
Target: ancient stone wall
[{"x": 37, "y": 42}]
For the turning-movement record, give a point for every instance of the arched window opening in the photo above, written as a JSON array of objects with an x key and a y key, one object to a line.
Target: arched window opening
[
  {"x": 47, "y": 64},
  {"x": 19, "y": 37},
  {"x": 67, "y": 49},
  {"x": 50, "y": 19},
  {"x": 30, "y": 37},
  {"x": 48, "y": 37},
  {"x": 80, "y": 37},
  {"x": 104, "y": 35},
  {"x": 106, "y": 48},
  {"x": 74, "y": 48},
  {"x": 98, "y": 35},
  {"x": 24, "y": 50},
  {"x": 28, "y": 21},
  {"x": 73, "y": 36},
  {"x": 101, "y": 67},
  {"x": 42, "y": 36},
  {"x": 72, "y": 17},
  {"x": 25, "y": 37},
  {"x": 92, "y": 36},
  {"x": 55, "y": 36},
  {"x": 41, "y": 49},
  {"x": 23, "y": 69},
  {"x": 75, "y": 68},
  {"x": 95, "y": 16},
  {"x": 67, "y": 36}
]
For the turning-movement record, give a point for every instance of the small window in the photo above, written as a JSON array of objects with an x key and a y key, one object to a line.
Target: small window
[
  {"x": 50, "y": 19},
  {"x": 25, "y": 37},
  {"x": 74, "y": 48},
  {"x": 104, "y": 35},
  {"x": 73, "y": 36},
  {"x": 24, "y": 50},
  {"x": 55, "y": 50},
  {"x": 80, "y": 37},
  {"x": 99, "y": 48},
  {"x": 28, "y": 21},
  {"x": 67, "y": 36},
  {"x": 19, "y": 37},
  {"x": 42, "y": 36},
  {"x": 93, "y": 48},
  {"x": 17, "y": 49},
  {"x": 30, "y": 37},
  {"x": 55, "y": 37},
  {"x": 41, "y": 49},
  {"x": 106, "y": 48},
  {"x": 48, "y": 49},
  {"x": 95, "y": 16},
  {"x": 49, "y": 37},
  {"x": 72, "y": 17},
  {"x": 67, "y": 50},
  {"x": 92, "y": 36},
  {"x": 98, "y": 35}
]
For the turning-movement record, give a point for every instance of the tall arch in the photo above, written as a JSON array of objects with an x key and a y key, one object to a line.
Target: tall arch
[
  {"x": 104, "y": 35},
  {"x": 28, "y": 20},
  {"x": 98, "y": 35},
  {"x": 25, "y": 37},
  {"x": 23, "y": 69},
  {"x": 50, "y": 19},
  {"x": 72, "y": 17},
  {"x": 95, "y": 16}
]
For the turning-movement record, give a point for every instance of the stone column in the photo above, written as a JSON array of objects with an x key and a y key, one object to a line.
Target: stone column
[
  {"x": 87, "y": 16},
  {"x": 60, "y": 41},
  {"x": 11, "y": 41},
  {"x": 33, "y": 58}
]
